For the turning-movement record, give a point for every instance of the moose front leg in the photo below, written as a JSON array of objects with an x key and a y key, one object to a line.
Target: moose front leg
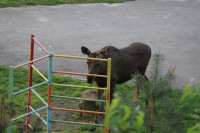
[{"x": 98, "y": 107}]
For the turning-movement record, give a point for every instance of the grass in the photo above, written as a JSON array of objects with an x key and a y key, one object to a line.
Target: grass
[
  {"x": 17, "y": 3},
  {"x": 20, "y": 100}
]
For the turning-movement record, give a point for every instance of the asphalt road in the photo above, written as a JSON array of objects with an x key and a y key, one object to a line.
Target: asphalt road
[{"x": 169, "y": 26}]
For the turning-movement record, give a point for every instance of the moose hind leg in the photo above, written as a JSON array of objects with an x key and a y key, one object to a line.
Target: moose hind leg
[{"x": 98, "y": 107}]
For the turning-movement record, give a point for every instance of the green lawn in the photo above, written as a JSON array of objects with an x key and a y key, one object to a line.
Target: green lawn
[
  {"x": 17, "y": 3},
  {"x": 20, "y": 100}
]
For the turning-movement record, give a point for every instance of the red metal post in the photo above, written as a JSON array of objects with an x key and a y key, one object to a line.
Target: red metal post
[
  {"x": 49, "y": 95},
  {"x": 30, "y": 82}
]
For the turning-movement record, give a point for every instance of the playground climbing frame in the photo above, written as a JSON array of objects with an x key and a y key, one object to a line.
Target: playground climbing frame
[{"x": 48, "y": 81}]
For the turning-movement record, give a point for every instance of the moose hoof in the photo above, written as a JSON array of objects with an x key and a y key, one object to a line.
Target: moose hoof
[{"x": 92, "y": 129}]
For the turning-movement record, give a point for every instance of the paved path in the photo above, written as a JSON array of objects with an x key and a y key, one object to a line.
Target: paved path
[{"x": 171, "y": 26}]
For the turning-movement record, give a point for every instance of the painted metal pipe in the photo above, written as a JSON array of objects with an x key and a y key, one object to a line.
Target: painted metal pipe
[
  {"x": 41, "y": 46},
  {"x": 36, "y": 113},
  {"x": 80, "y": 123},
  {"x": 29, "y": 125},
  {"x": 76, "y": 86},
  {"x": 39, "y": 72},
  {"x": 31, "y": 61},
  {"x": 78, "y": 98},
  {"x": 75, "y": 110},
  {"x": 30, "y": 82},
  {"x": 108, "y": 92},
  {"x": 39, "y": 97},
  {"x": 29, "y": 113},
  {"x": 77, "y": 57},
  {"x": 15, "y": 93},
  {"x": 9, "y": 129},
  {"x": 11, "y": 75},
  {"x": 81, "y": 74},
  {"x": 49, "y": 94}
]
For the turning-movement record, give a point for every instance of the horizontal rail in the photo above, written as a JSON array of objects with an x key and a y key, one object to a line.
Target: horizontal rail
[
  {"x": 15, "y": 93},
  {"x": 83, "y": 111},
  {"x": 77, "y": 57},
  {"x": 81, "y": 74},
  {"x": 41, "y": 46},
  {"x": 40, "y": 97},
  {"x": 40, "y": 117},
  {"x": 80, "y": 123},
  {"x": 39, "y": 72},
  {"x": 77, "y": 98},
  {"x": 31, "y": 61},
  {"x": 29, "y": 113},
  {"x": 76, "y": 86}
]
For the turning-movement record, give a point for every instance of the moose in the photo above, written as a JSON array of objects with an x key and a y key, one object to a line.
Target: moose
[{"x": 125, "y": 62}]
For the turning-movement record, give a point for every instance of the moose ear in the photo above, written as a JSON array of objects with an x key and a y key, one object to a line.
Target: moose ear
[
  {"x": 85, "y": 51},
  {"x": 105, "y": 51}
]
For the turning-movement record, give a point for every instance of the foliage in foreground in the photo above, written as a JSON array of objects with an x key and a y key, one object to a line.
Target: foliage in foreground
[
  {"x": 167, "y": 110},
  {"x": 124, "y": 119},
  {"x": 16, "y": 3}
]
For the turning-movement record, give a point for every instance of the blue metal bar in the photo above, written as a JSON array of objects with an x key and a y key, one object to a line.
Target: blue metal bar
[
  {"x": 77, "y": 98},
  {"x": 40, "y": 97},
  {"x": 29, "y": 113},
  {"x": 15, "y": 93},
  {"x": 38, "y": 115},
  {"x": 80, "y": 123},
  {"x": 49, "y": 94}
]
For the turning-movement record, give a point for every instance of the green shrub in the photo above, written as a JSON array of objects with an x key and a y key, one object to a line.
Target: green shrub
[{"x": 123, "y": 119}]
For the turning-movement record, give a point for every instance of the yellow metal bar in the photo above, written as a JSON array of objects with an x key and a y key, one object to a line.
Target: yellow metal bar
[
  {"x": 77, "y": 57},
  {"x": 108, "y": 91},
  {"x": 76, "y": 86},
  {"x": 39, "y": 72}
]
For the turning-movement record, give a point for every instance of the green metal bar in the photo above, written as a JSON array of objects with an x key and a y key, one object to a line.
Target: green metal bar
[
  {"x": 77, "y": 98},
  {"x": 29, "y": 113},
  {"x": 10, "y": 82},
  {"x": 80, "y": 123},
  {"x": 15, "y": 93},
  {"x": 40, "y": 97},
  {"x": 10, "y": 93},
  {"x": 38, "y": 115},
  {"x": 76, "y": 86},
  {"x": 9, "y": 129}
]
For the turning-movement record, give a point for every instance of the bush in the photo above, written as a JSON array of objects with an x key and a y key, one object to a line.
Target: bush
[{"x": 124, "y": 119}]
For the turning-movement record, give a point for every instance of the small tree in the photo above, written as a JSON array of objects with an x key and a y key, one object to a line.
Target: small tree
[{"x": 167, "y": 110}]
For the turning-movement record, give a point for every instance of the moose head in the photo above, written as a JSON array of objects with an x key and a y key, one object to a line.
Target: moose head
[{"x": 95, "y": 66}]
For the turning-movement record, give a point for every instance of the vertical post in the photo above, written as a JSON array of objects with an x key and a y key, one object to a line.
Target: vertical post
[
  {"x": 108, "y": 92},
  {"x": 10, "y": 83},
  {"x": 30, "y": 82},
  {"x": 9, "y": 130},
  {"x": 10, "y": 94},
  {"x": 49, "y": 94}
]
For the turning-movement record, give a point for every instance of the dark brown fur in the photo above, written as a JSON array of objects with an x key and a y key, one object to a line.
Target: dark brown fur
[{"x": 125, "y": 63}]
